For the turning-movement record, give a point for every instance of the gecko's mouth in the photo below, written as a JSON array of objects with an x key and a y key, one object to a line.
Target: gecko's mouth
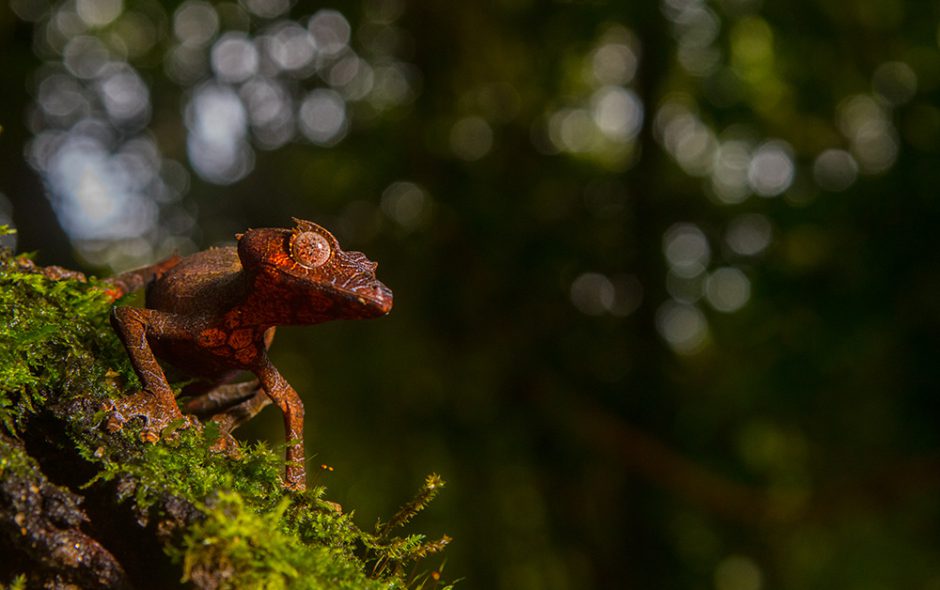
[
  {"x": 374, "y": 294},
  {"x": 369, "y": 293}
]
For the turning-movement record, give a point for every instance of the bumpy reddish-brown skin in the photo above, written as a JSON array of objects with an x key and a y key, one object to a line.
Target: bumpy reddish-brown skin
[{"x": 213, "y": 313}]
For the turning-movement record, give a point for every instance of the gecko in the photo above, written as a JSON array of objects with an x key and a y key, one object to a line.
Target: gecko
[{"x": 212, "y": 314}]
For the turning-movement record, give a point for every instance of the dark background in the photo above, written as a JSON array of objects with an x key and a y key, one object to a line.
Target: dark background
[{"x": 611, "y": 405}]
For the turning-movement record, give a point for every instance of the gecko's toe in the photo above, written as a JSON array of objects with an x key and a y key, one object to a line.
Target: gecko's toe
[
  {"x": 148, "y": 435},
  {"x": 145, "y": 406},
  {"x": 226, "y": 444},
  {"x": 115, "y": 422}
]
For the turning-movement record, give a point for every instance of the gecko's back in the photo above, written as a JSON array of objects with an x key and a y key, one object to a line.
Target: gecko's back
[{"x": 203, "y": 284}]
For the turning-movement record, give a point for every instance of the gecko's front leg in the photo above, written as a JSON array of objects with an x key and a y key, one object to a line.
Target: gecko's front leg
[
  {"x": 156, "y": 403},
  {"x": 285, "y": 398}
]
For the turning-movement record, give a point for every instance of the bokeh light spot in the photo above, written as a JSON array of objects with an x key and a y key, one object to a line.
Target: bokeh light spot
[
  {"x": 692, "y": 143},
  {"x": 771, "y": 169},
  {"x": 290, "y": 46},
  {"x": 234, "y": 57},
  {"x": 696, "y": 28},
  {"x": 98, "y": 13},
  {"x": 727, "y": 289},
  {"x": 125, "y": 96},
  {"x": 686, "y": 249},
  {"x": 592, "y": 293},
  {"x": 62, "y": 97},
  {"x": 617, "y": 112},
  {"x": 405, "y": 203},
  {"x": 186, "y": 65},
  {"x": 682, "y": 326},
  {"x": 137, "y": 32},
  {"x": 572, "y": 130},
  {"x": 330, "y": 31},
  {"x": 873, "y": 138},
  {"x": 216, "y": 144},
  {"x": 85, "y": 56},
  {"x": 195, "y": 23},
  {"x": 614, "y": 61},
  {"x": 354, "y": 76},
  {"x": 323, "y": 117},
  {"x": 270, "y": 110},
  {"x": 749, "y": 234},
  {"x": 30, "y": 10},
  {"x": 93, "y": 195},
  {"x": 471, "y": 138},
  {"x": 391, "y": 85},
  {"x": 835, "y": 170},
  {"x": 729, "y": 180},
  {"x": 895, "y": 82},
  {"x": 267, "y": 8}
]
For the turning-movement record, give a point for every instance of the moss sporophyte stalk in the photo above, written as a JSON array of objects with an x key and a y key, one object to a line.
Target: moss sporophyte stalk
[{"x": 83, "y": 505}]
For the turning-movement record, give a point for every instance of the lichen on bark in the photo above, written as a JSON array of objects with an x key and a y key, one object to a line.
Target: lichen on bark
[{"x": 84, "y": 507}]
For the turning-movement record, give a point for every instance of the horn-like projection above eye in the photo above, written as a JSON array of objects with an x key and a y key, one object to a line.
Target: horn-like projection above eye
[{"x": 310, "y": 249}]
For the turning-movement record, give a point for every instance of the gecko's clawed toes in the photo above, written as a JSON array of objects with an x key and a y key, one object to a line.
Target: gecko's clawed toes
[
  {"x": 115, "y": 422},
  {"x": 148, "y": 435},
  {"x": 155, "y": 414},
  {"x": 227, "y": 444}
]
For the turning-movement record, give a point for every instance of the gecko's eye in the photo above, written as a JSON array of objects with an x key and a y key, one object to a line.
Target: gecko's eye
[{"x": 310, "y": 249}]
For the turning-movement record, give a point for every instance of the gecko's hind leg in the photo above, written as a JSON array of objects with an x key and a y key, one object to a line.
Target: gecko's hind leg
[
  {"x": 134, "y": 280},
  {"x": 242, "y": 412},
  {"x": 219, "y": 398},
  {"x": 229, "y": 405},
  {"x": 236, "y": 414}
]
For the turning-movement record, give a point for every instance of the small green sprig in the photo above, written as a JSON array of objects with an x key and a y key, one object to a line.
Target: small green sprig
[
  {"x": 432, "y": 486},
  {"x": 392, "y": 554}
]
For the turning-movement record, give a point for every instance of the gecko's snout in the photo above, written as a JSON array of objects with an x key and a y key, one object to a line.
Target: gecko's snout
[
  {"x": 368, "y": 296},
  {"x": 382, "y": 296}
]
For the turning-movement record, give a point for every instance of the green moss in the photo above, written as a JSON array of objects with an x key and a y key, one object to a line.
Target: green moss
[
  {"x": 261, "y": 553},
  {"x": 59, "y": 356},
  {"x": 48, "y": 330},
  {"x": 15, "y": 462}
]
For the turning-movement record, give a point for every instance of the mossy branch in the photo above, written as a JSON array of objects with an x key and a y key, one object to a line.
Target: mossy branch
[{"x": 179, "y": 512}]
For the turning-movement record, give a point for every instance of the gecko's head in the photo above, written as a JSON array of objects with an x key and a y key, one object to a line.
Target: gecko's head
[{"x": 306, "y": 266}]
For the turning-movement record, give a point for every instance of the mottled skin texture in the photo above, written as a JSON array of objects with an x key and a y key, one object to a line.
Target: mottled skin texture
[{"x": 212, "y": 314}]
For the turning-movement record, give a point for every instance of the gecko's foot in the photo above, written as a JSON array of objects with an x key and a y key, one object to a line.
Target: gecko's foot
[
  {"x": 156, "y": 413},
  {"x": 334, "y": 506},
  {"x": 226, "y": 444},
  {"x": 295, "y": 476},
  {"x": 233, "y": 417}
]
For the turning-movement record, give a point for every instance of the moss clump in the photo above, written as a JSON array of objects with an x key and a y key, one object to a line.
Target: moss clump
[
  {"x": 49, "y": 330},
  {"x": 254, "y": 550},
  {"x": 216, "y": 521}
]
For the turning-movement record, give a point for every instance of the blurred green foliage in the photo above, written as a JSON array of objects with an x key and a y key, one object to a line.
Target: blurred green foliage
[{"x": 608, "y": 408}]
